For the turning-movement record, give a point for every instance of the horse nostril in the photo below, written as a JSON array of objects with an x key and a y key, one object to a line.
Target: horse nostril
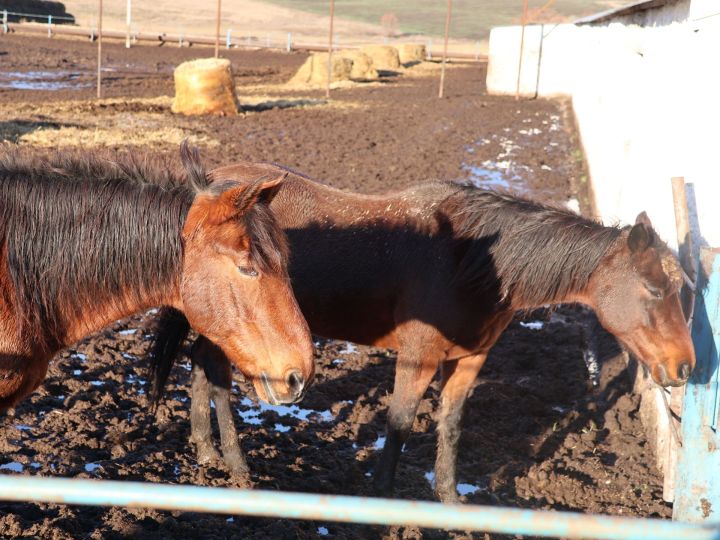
[
  {"x": 684, "y": 371},
  {"x": 296, "y": 383}
]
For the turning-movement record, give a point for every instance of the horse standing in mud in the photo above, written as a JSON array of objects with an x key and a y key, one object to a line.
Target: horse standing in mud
[
  {"x": 437, "y": 272},
  {"x": 86, "y": 239}
]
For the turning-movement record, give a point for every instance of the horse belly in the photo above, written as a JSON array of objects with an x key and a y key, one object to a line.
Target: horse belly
[{"x": 367, "y": 321}]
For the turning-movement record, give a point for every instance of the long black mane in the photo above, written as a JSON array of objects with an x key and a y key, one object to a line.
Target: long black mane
[{"x": 533, "y": 254}]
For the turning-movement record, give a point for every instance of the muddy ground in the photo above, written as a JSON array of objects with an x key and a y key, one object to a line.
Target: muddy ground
[{"x": 540, "y": 431}]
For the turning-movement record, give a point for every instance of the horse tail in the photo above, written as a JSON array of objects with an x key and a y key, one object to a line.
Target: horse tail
[{"x": 172, "y": 328}]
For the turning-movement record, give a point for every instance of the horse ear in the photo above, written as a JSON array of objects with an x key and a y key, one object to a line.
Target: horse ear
[
  {"x": 641, "y": 236},
  {"x": 239, "y": 199},
  {"x": 643, "y": 218}
]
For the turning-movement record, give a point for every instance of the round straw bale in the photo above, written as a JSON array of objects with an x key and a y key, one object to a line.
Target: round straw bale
[
  {"x": 384, "y": 57},
  {"x": 362, "y": 67},
  {"x": 314, "y": 72},
  {"x": 411, "y": 53},
  {"x": 205, "y": 86}
]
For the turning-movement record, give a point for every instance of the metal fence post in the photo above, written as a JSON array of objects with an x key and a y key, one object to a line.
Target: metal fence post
[
  {"x": 429, "y": 49},
  {"x": 697, "y": 490},
  {"x": 289, "y": 42},
  {"x": 5, "y": 22},
  {"x": 227, "y": 38},
  {"x": 49, "y": 25}
]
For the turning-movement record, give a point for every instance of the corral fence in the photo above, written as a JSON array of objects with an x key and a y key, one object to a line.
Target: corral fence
[
  {"x": 52, "y": 25},
  {"x": 697, "y": 495}
]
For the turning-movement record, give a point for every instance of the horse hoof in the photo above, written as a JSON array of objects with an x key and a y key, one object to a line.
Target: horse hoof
[
  {"x": 237, "y": 465},
  {"x": 207, "y": 454},
  {"x": 383, "y": 489}
]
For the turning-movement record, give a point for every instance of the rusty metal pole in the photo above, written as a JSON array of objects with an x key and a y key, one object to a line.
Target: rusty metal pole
[
  {"x": 522, "y": 46},
  {"x": 444, "y": 58},
  {"x": 99, "y": 56},
  {"x": 217, "y": 30},
  {"x": 330, "y": 48}
]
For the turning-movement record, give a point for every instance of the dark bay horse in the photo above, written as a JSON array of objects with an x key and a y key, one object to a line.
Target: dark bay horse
[
  {"x": 88, "y": 238},
  {"x": 437, "y": 272}
]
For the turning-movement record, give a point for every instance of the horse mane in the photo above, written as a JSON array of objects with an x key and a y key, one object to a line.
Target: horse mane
[
  {"x": 82, "y": 229},
  {"x": 532, "y": 253}
]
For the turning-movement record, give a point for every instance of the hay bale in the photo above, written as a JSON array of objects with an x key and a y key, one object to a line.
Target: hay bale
[
  {"x": 362, "y": 67},
  {"x": 205, "y": 86},
  {"x": 314, "y": 72},
  {"x": 384, "y": 57},
  {"x": 411, "y": 53}
]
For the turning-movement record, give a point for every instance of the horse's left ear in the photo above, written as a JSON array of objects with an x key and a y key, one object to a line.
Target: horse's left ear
[
  {"x": 642, "y": 235},
  {"x": 240, "y": 199}
]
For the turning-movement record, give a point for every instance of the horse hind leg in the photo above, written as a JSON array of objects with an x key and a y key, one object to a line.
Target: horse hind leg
[
  {"x": 458, "y": 378},
  {"x": 411, "y": 381}
]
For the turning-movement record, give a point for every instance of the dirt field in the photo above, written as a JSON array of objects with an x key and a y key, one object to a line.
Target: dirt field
[{"x": 538, "y": 433}]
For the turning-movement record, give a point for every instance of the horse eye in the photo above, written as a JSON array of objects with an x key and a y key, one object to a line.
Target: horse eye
[
  {"x": 657, "y": 293},
  {"x": 248, "y": 271}
]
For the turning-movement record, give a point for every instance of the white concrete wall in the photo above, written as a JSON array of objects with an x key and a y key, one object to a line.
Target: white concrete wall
[{"x": 647, "y": 102}]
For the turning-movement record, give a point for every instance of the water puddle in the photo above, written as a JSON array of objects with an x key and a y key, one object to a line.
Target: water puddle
[
  {"x": 128, "y": 332},
  {"x": 91, "y": 467},
  {"x": 379, "y": 443},
  {"x": 41, "y": 80},
  {"x": 23, "y": 427},
  {"x": 79, "y": 356},
  {"x": 323, "y": 531}
]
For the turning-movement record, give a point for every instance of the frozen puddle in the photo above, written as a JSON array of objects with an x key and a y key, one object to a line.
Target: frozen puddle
[
  {"x": 41, "y": 80},
  {"x": 497, "y": 175},
  {"x": 379, "y": 443},
  {"x": 462, "y": 488},
  {"x": 128, "y": 332},
  {"x": 350, "y": 348},
  {"x": 13, "y": 466},
  {"x": 532, "y": 325},
  {"x": 252, "y": 415}
]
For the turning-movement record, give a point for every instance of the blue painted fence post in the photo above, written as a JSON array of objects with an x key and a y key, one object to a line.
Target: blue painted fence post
[{"x": 697, "y": 481}]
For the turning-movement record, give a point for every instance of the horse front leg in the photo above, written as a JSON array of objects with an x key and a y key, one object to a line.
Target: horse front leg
[
  {"x": 458, "y": 377},
  {"x": 218, "y": 372},
  {"x": 412, "y": 377},
  {"x": 200, "y": 421}
]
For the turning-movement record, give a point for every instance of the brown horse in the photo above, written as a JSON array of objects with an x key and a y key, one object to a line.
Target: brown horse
[
  {"x": 437, "y": 272},
  {"x": 86, "y": 239}
]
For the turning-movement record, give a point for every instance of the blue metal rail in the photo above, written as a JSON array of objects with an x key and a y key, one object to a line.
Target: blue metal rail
[
  {"x": 697, "y": 479},
  {"x": 365, "y": 510}
]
